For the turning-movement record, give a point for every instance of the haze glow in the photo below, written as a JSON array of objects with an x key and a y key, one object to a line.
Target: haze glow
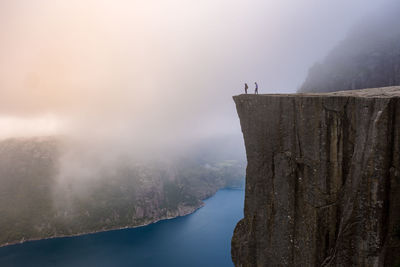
[{"x": 154, "y": 69}]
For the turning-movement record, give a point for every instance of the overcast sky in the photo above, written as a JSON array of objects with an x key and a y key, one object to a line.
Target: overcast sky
[{"x": 155, "y": 69}]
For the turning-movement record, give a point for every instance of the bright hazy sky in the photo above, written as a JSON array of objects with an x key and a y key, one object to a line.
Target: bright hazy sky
[{"x": 155, "y": 68}]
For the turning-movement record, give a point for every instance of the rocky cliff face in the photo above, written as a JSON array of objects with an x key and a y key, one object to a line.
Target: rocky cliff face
[{"x": 322, "y": 181}]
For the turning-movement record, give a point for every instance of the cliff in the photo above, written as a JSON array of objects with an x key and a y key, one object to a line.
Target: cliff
[{"x": 322, "y": 181}]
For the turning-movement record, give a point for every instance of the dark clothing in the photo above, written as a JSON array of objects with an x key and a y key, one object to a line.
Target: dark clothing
[
  {"x": 246, "y": 87},
  {"x": 256, "y": 90}
]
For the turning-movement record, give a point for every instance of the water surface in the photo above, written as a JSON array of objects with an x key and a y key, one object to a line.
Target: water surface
[{"x": 200, "y": 239}]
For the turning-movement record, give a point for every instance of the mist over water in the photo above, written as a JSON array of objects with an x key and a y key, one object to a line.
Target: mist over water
[{"x": 128, "y": 78}]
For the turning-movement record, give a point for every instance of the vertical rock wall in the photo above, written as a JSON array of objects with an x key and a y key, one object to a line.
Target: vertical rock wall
[{"x": 322, "y": 181}]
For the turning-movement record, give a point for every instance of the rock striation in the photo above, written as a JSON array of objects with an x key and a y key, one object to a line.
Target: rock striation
[{"x": 322, "y": 181}]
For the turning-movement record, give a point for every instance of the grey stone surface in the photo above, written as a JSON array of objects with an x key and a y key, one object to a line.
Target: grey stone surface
[{"x": 322, "y": 181}]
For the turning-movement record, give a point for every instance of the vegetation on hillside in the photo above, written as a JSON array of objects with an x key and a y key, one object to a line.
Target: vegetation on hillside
[{"x": 34, "y": 205}]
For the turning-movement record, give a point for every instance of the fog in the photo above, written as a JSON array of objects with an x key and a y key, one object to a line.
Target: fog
[{"x": 138, "y": 75}]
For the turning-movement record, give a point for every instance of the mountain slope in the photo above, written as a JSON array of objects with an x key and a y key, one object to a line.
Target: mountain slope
[
  {"x": 36, "y": 203},
  {"x": 368, "y": 57}
]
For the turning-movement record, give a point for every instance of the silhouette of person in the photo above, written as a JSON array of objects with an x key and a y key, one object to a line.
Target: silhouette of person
[
  {"x": 256, "y": 90},
  {"x": 246, "y": 87}
]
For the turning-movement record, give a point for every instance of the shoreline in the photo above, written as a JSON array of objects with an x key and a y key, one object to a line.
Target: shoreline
[{"x": 192, "y": 210}]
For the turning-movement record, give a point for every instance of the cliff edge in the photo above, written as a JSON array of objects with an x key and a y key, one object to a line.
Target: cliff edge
[{"x": 322, "y": 181}]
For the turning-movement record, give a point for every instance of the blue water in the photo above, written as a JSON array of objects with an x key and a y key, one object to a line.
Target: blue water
[{"x": 200, "y": 239}]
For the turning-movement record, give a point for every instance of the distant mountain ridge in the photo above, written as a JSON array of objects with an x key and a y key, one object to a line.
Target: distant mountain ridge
[
  {"x": 368, "y": 57},
  {"x": 34, "y": 206}
]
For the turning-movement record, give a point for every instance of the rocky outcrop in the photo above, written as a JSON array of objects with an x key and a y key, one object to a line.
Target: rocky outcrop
[{"x": 322, "y": 181}]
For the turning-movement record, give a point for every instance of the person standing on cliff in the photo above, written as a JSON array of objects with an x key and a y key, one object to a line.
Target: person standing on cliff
[
  {"x": 245, "y": 88},
  {"x": 256, "y": 90}
]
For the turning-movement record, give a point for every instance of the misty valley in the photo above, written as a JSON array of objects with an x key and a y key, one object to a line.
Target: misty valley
[
  {"x": 120, "y": 144},
  {"x": 199, "y": 239},
  {"x": 37, "y": 201}
]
